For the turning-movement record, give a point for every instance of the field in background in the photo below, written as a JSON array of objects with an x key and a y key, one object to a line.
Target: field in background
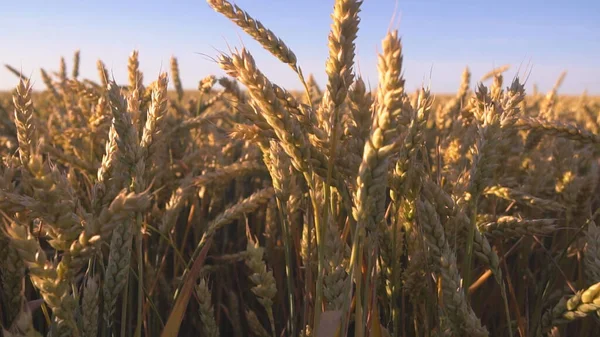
[{"x": 243, "y": 209}]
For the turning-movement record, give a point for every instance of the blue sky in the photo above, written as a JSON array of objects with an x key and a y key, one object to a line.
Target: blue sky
[{"x": 439, "y": 38}]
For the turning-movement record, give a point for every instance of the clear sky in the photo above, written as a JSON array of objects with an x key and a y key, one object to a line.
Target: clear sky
[{"x": 440, "y": 38}]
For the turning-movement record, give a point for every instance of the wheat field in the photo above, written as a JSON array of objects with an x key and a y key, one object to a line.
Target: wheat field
[{"x": 245, "y": 209}]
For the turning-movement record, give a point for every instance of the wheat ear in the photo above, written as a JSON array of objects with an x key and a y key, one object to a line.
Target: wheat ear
[
  {"x": 463, "y": 320},
  {"x": 13, "y": 274},
  {"x": 47, "y": 278},
  {"x": 568, "y": 309},
  {"x": 89, "y": 307},
  {"x": 207, "y": 315},
  {"x": 24, "y": 120},
  {"x": 264, "y": 282}
]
